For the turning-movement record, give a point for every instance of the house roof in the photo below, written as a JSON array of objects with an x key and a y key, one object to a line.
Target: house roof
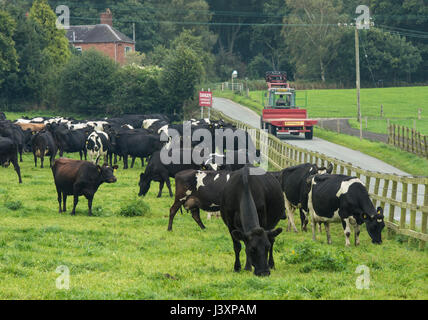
[{"x": 99, "y": 33}]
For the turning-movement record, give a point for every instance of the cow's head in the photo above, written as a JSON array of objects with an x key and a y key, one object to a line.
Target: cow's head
[
  {"x": 374, "y": 225},
  {"x": 144, "y": 184},
  {"x": 257, "y": 246},
  {"x": 107, "y": 173}
]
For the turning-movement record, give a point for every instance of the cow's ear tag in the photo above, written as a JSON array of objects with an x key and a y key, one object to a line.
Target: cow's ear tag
[
  {"x": 364, "y": 216},
  {"x": 114, "y": 170}
]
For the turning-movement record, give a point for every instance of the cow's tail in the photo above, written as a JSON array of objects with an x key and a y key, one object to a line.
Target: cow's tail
[{"x": 245, "y": 175}]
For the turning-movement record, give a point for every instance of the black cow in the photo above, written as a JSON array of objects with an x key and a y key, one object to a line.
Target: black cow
[
  {"x": 70, "y": 140},
  {"x": 136, "y": 143},
  {"x": 2, "y": 116},
  {"x": 77, "y": 177},
  {"x": 340, "y": 198},
  {"x": 195, "y": 190},
  {"x": 15, "y": 133},
  {"x": 251, "y": 207},
  {"x": 9, "y": 153},
  {"x": 293, "y": 180},
  {"x": 156, "y": 170},
  {"x": 43, "y": 144}
]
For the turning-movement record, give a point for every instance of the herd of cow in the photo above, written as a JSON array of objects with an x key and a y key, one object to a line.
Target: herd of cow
[{"x": 251, "y": 201}]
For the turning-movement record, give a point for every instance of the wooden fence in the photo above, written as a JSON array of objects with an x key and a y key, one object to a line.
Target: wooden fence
[
  {"x": 404, "y": 198},
  {"x": 408, "y": 139}
]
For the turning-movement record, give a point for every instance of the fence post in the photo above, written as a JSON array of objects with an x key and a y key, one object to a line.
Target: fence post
[
  {"x": 403, "y": 210},
  {"x": 392, "y": 207},
  {"x": 413, "y": 212},
  {"x": 424, "y": 218}
]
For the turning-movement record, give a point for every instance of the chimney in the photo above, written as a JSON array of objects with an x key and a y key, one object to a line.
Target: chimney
[{"x": 107, "y": 18}]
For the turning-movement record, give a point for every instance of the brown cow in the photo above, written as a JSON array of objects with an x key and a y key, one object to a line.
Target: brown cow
[
  {"x": 77, "y": 177},
  {"x": 34, "y": 127}
]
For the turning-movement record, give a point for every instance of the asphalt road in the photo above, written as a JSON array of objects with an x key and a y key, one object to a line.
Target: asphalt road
[{"x": 355, "y": 157}]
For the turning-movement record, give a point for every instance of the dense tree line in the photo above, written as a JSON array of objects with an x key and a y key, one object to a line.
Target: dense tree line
[{"x": 210, "y": 38}]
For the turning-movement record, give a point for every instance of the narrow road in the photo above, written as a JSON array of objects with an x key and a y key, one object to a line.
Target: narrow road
[
  {"x": 359, "y": 159},
  {"x": 355, "y": 157}
]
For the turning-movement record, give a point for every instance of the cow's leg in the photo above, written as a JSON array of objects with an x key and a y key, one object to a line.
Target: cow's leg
[
  {"x": 197, "y": 217},
  {"x": 20, "y": 154},
  {"x": 64, "y": 202},
  {"x": 172, "y": 212},
  {"x": 168, "y": 184},
  {"x": 35, "y": 159},
  {"x": 356, "y": 228},
  {"x": 248, "y": 266},
  {"x": 142, "y": 162},
  {"x": 327, "y": 231},
  {"x": 81, "y": 154},
  {"x": 304, "y": 219},
  {"x": 132, "y": 162},
  {"x": 237, "y": 248},
  {"x": 85, "y": 153},
  {"x": 161, "y": 183},
  {"x": 42, "y": 158},
  {"x": 75, "y": 199},
  {"x": 90, "y": 198},
  {"x": 290, "y": 214},
  {"x": 125, "y": 161},
  {"x": 347, "y": 231},
  {"x": 271, "y": 262},
  {"x": 17, "y": 168},
  {"x": 59, "y": 199},
  {"x": 313, "y": 223}
]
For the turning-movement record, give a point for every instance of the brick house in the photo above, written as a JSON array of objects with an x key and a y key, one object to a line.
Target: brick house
[{"x": 102, "y": 37}]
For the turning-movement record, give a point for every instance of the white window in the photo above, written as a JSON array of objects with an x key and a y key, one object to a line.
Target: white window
[{"x": 78, "y": 49}]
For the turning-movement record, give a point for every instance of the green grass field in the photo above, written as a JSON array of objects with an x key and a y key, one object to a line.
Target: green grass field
[
  {"x": 341, "y": 103},
  {"x": 111, "y": 256},
  {"x": 401, "y": 102}
]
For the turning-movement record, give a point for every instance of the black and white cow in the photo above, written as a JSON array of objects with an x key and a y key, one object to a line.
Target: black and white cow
[
  {"x": 293, "y": 181},
  {"x": 341, "y": 198},
  {"x": 251, "y": 207},
  {"x": 98, "y": 145},
  {"x": 195, "y": 190}
]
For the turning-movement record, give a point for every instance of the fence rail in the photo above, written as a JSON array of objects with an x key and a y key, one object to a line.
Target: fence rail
[
  {"x": 408, "y": 139},
  {"x": 404, "y": 198}
]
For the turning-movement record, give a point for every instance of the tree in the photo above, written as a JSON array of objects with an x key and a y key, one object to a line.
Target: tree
[
  {"x": 87, "y": 83},
  {"x": 57, "y": 47},
  {"x": 313, "y": 35},
  {"x": 8, "y": 55},
  {"x": 183, "y": 70},
  {"x": 138, "y": 90}
]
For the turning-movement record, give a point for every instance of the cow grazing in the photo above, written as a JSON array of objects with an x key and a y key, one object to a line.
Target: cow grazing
[
  {"x": 293, "y": 181},
  {"x": 9, "y": 153},
  {"x": 156, "y": 170},
  {"x": 195, "y": 190},
  {"x": 251, "y": 207},
  {"x": 77, "y": 177},
  {"x": 43, "y": 144},
  {"x": 340, "y": 198},
  {"x": 98, "y": 145}
]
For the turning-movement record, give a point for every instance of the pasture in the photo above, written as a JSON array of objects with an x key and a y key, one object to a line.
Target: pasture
[{"x": 111, "y": 256}]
